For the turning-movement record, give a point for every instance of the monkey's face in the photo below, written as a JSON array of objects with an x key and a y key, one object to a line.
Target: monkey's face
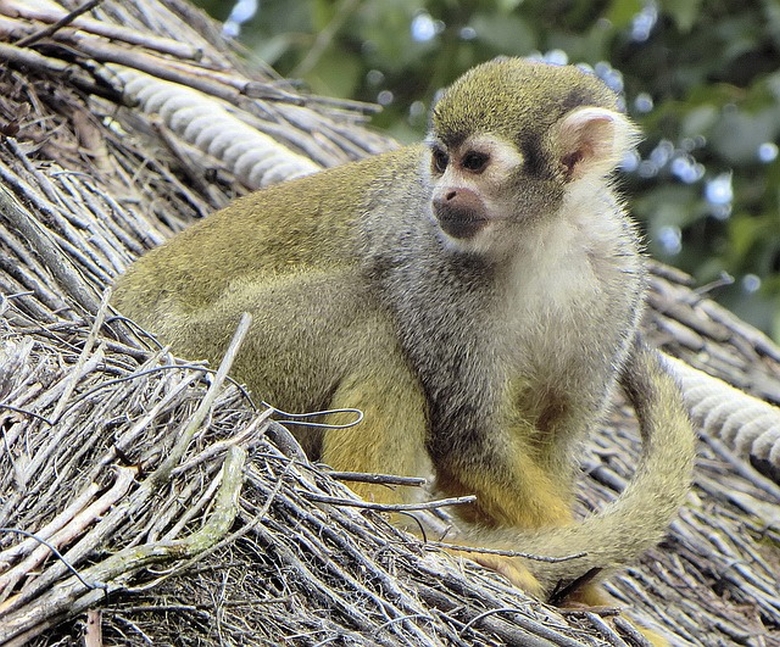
[
  {"x": 487, "y": 190},
  {"x": 469, "y": 183},
  {"x": 512, "y": 143}
]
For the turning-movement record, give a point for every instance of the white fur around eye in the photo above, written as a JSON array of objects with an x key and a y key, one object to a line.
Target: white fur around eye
[{"x": 503, "y": 155}]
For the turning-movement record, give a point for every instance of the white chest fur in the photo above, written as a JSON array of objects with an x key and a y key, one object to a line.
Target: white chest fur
[{"x": 569, "y": 275}]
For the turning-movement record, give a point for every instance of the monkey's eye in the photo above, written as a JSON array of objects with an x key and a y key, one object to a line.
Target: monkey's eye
[
  {"x": 475, "y": 162},
  {"x": 440, "y": 159}
]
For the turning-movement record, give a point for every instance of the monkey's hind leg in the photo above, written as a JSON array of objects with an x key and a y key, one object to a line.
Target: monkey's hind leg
[{"x": 391, "y": 437}]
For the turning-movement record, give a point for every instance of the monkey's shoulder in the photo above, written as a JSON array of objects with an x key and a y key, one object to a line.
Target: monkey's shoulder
[
  {"x": 312, "y": 218},
  {"x": 306, "y": 226}
]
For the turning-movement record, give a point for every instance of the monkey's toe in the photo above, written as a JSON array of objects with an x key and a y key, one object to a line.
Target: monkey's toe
[{"x": 512, "y": 570}]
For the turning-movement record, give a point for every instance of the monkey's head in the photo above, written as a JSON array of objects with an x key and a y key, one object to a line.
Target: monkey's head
[{"x": 511, "y": 138}]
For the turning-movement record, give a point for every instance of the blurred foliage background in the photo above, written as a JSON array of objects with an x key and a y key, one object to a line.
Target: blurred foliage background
[{"x": 702, "y": 78}]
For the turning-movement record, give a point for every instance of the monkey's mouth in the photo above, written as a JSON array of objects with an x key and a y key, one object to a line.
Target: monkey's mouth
[{"x": 460, "y": 223}]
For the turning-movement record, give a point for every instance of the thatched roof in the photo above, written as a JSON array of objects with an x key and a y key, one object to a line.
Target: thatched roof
[{"x": 148, "y": 499}]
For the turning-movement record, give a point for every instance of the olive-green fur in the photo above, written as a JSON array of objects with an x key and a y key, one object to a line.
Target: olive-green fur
[
  {"x": 501, "y": 98},
  {"x": 297, "y": 227},
  {"x": 291, "y": 256}
]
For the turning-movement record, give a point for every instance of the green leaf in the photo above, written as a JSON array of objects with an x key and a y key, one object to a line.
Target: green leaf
[
  {"x": 744, "y": 232},
  {"x": 684, "y": 12},
  {"x": 505, "y": 6},
  {"x": 700, "y": 120},
  {"x": 507, "y": 34},
  {"x": 621, "y": 12},
  {"x": 335, "y": 74},
  {"x": 322, "y": 12}
]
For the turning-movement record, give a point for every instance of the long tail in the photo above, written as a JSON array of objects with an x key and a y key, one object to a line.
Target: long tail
[{"x": 637, "y": 519}]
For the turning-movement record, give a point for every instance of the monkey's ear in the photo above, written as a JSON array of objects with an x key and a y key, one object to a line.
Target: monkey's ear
[{"x": 592, "y": 141}]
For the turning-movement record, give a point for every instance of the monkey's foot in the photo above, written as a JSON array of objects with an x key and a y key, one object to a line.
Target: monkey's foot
[
  {"x": 590, "y": 594},
  {"x": 511, "y": 569},
  {"x": 593, "y": 595}
]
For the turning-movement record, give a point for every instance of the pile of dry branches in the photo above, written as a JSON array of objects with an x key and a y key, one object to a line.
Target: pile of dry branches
[
  {"x": 150, "y": 499},
  {"x": 162, "y": 496}
]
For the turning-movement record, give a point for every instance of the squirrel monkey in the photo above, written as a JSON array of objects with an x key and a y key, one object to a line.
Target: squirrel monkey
[{"x": 477, "y": 296}]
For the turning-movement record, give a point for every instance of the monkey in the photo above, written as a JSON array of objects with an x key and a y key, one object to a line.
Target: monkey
[{"x": 477, "y": 296}]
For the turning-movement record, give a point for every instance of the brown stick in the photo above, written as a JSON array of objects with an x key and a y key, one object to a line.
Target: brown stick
[{"x": 65, "y": 20}]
